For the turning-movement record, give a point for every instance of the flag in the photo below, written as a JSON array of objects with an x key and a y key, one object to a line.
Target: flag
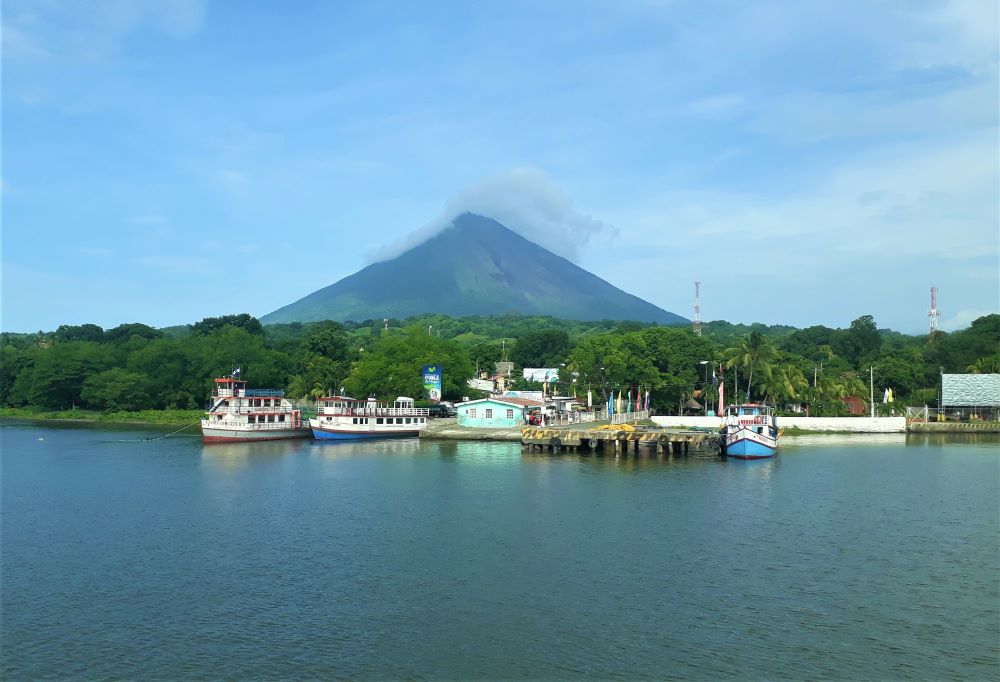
[
  {"x": 236, "y": 372},
  {"x": 618, "y": 403},
  {"x": 647, "y": 400},
  {"x": 628, "y": 401},
  {"x": 722, "y": 397},
  {"x": 611, "y": 404},
  {"x": 713, "y": 376},
  {"x": 885, "y": 396},
  {"x": 590, "y": 398},
  {"x": 889, "y": 390}
]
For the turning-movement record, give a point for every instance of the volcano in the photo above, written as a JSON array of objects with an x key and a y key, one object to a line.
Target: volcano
[{"x": 475, "y": 266}]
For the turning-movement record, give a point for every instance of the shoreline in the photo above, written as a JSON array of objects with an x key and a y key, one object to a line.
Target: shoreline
[
  {"x": 439, "y": 429},
  {"x": 166, "y": 418}
]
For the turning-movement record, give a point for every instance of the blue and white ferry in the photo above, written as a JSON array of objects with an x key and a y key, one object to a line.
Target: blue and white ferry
[
  {"x": 342, "y": 418},
  {"x": 750, "y": 431}
]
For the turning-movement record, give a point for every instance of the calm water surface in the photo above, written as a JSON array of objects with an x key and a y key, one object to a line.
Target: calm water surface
[{"x": 846, "y": 558}]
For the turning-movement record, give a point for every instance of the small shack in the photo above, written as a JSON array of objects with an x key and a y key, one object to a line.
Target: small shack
[{"x": 494, "y": 413}]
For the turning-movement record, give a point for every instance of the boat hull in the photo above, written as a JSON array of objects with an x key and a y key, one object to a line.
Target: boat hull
[
  {"x": 212, "y": 435},
  {"x": 330, "y": 434},
  {"x": 747, "y": 444}
]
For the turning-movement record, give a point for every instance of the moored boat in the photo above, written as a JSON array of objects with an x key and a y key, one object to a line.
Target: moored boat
[
  {"x": 749, "y": 431},
  {"x": 237, "y": 414},
  {"x": 343, "y": 418}
]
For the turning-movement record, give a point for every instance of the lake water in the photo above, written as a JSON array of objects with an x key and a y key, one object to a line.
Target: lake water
[{"x": 845, "y": 557}]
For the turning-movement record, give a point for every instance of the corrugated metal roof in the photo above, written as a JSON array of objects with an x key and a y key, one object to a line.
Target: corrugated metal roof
[{"x": 970, "y": 390}]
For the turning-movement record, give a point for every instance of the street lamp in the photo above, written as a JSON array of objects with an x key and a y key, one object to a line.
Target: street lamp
[{"x": 704, "y": 387}]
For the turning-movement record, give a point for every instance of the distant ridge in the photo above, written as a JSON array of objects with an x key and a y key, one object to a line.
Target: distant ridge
[{"x": 475, "y": 266}]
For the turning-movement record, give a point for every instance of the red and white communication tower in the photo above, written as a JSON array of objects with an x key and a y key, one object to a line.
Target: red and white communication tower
[
  {"x": 934, "y": 314},
  {"x": 697, "y": 308}
]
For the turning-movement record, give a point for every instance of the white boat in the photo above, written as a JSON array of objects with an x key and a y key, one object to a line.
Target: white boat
[
  {"x": 343, "y": 418},
  {"x": 238, "y": 413},
  {"x": 750, "y": 431}
]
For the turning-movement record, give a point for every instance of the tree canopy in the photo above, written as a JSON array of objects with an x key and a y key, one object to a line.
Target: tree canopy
[{"x": 133, "y": 366}]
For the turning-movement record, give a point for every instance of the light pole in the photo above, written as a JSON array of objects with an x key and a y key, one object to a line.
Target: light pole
[
  {"x": 704, "y": 387},
  {"x": 871, "y": 388}
]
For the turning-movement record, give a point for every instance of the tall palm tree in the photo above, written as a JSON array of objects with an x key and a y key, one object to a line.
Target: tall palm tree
[
  {"x": 754, "y": 351},
  {"x": 783, "y": 382}
]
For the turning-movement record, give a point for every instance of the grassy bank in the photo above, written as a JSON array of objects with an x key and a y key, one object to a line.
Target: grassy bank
[{"x": 171, "y": 417}]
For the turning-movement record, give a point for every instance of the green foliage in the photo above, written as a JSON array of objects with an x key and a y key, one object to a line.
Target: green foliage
[
  {"x": 542, "y": 348},
  {"x": 83, "y": 332},
  {"x": 861, "y": 339},
  {"x": 391, "y": 366},
  {"x": 134, "y": 366},
  {"x": 55, "y": 379},
  {"x": 243, "y": 321},
  {"x": 127, "y": 332},
  {"x": 117, "y": 389}
]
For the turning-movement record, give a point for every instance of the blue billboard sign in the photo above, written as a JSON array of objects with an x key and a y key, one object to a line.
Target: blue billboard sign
[{"x": 432, "y": 382}]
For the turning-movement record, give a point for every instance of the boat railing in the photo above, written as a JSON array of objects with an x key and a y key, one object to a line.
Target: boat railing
[
  {"x": 374, "y": 411},
  {"x": 244, "y": 426},
  {"x": 263, "y": 393},
  {"x": 255, "y": 409}
]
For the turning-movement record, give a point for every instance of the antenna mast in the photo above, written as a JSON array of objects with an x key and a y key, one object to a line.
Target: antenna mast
[
  {"x": 697, "y": 308},
  {"x": 934, "y": 313}
]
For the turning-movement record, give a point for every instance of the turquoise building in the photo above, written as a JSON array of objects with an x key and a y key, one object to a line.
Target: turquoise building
[{"x": 494, "y": 413}]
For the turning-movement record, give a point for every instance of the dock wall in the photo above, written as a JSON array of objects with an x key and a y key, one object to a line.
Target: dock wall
[{"x": 842, "y": 424}]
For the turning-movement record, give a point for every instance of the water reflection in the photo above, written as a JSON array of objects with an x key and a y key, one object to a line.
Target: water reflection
[
  {"x": 952, "y": 438},
  {"x": 841, "y": 439},
  {"x": 241, "y": 455},
  {"x": 333, "y": 449}
]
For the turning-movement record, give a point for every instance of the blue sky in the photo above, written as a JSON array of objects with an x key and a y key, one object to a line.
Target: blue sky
[{"x": 809, "y": 162}]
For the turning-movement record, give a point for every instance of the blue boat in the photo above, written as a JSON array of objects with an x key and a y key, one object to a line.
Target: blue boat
[
  {"x": 343, "y": 418},
  {"x": 750, "y": 431}
]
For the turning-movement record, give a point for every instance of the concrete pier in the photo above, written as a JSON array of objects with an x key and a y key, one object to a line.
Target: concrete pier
[{"x": 671, "y": 441}]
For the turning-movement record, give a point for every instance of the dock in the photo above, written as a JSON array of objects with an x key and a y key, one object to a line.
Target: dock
[{"x": 669, "y": 441}]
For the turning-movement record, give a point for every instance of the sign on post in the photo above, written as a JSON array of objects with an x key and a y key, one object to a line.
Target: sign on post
[{"x": 432, "y": 382}]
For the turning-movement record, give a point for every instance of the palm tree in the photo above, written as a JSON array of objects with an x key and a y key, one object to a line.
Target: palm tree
[
  {"x": 755, "y": 350},
  {"x": 783, "y": 382}
]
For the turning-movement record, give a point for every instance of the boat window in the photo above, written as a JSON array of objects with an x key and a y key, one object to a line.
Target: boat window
[
  {"x": 329, "y": 419},
  {"x": 379, "y": 420},
  {"x": 408, "y": 421},
  {"x": 270, "y": 417},
  {"x": 281, "y": 417},
  {"x": 251, "y": 419},
  {"x": 421, "y": 420}
]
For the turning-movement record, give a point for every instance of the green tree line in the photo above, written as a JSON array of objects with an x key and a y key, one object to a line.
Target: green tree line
[{"x": 134, "y": 366}]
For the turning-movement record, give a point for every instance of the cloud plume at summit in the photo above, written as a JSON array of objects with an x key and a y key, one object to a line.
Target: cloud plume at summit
[{"x": 527, "y": 201}]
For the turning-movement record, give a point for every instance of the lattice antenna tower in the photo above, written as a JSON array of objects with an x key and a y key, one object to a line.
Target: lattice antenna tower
[
  {"x": 934, "y": 313},
  {"x": 697, "y": 308}
]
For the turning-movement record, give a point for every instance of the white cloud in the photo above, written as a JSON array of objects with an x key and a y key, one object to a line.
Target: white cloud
[
  {"x": 92, "y": 30},
  {"x": 526, "y": 201},
  {"x": 963, "y": 318}
]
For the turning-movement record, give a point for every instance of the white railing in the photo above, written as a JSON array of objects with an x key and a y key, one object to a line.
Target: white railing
[
  {"x": 626, "y": 417},
  {"x": 374, "y": 411},
  {"x": 568, "y": 418},
  {"x": 244, "y": 426}
]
